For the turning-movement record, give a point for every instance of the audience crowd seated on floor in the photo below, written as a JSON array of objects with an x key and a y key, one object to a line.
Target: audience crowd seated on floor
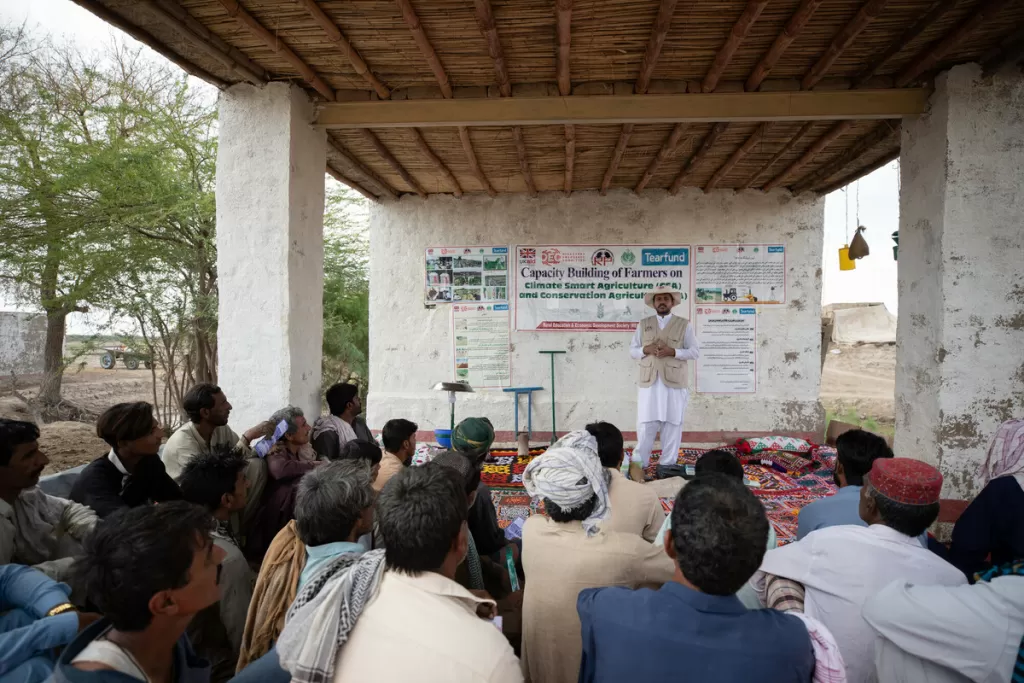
[{"x": 304, "y": 552}]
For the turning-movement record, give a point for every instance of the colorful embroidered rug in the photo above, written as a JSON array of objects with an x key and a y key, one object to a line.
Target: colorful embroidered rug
[{"x": 786, "y": 483}]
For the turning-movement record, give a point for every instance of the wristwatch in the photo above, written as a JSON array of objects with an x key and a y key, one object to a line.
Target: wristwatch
[{"x": 61, "y": 609}]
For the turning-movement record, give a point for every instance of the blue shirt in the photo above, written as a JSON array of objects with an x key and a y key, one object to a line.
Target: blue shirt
[
  {"x": 319, "y": 555},
  {"x": 842, "y": 508},
  {"x": 26, "y": 595},
  {"x": 687, "y": 635}
]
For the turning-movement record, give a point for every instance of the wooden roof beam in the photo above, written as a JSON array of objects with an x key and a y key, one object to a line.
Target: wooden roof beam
[
  {"x": 889, "y": 157},
  {"x": 607, "y": 109},
  {"x": 524, "y": 160},
  {"x": 814, "y": 150},
  {"x": 868, "y": 12},
  {"x": 882, "y": 133},
  {"x": 786, "y": 36},
  {"x": 736, "y": 156},
  {"x": 930, "y": 56},
  {"x": 694, "y": 161},
  {"x": 737, "y": 34},
  {"x": 424, "y": 148},
  {"x": 361, "y": 168},
  {"x": 563, "y": 24},
  {"x": 278, "y": 46},
  {"x": 617, "y": 153},
  {"x": 666, "y": 152},
  {"x": 1011, "y": 49},
  {"x": 337, "y": 175},
  {"x": 335, "y": 35},
  {"x": 570, "y": 157},
  {"x": 386, "y": 154},
  {"x": 931, "y": 15},
  {"x": 474, "y": 163},
  {"x": 800, "y": 134}
]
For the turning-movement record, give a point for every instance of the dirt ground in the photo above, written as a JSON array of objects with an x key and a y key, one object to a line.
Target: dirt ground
[{"x": 857, "y": 385}]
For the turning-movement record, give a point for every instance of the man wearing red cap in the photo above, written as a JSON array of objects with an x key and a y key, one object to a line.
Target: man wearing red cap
[{"x": 840, "y": 567}]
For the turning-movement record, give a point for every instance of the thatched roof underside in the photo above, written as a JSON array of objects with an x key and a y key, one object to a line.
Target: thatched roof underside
[{"x": 367, "y": 50}]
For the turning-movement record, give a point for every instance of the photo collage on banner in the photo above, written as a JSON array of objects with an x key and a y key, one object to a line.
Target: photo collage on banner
[{"x": 466, "y": 274}]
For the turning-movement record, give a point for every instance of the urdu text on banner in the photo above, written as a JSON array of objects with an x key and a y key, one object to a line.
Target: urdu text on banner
[{"x": 594, "y": 288}]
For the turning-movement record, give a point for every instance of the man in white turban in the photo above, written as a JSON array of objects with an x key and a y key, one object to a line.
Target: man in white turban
[{"x": 567, "y": 551}]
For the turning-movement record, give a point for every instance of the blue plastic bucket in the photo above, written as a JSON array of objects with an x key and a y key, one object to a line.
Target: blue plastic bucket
[{"x": 443, "y": 437}]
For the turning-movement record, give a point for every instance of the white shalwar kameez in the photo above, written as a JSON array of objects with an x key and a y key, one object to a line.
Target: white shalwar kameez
[{"x": 659, "y": 408}]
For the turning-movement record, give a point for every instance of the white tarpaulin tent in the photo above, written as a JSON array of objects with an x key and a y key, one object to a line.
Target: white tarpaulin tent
[{"x": 863, "y": 324}]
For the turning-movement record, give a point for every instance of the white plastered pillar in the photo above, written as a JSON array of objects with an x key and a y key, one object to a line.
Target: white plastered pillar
[
  {"x": 960, "y": 343},
  {"x": 270, "y": 205}
]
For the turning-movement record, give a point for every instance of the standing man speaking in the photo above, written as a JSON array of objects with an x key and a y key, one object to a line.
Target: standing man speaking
[{"x": 662, "y": 344}]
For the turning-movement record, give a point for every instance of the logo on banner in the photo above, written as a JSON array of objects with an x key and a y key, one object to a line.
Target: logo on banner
[
  {"x": 742, "y": 249},
  {"x": 628, "y": 258},
  {"x": 550, "y": 257},
  {"x": 528, "y": 255},
  {"x": 665, "y": 257},
  {"x": 776, "y": 250},
  {"x": 602, "y": 257}
]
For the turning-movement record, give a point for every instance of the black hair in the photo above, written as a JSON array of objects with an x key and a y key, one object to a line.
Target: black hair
[
  {"x": 207, "y": 477},
  {"x": 722, "y": 462},
  {"x": 360, "y": 449},
  {"x": 719, "y": 532},
  {"x": 858, "y": 450},
  {"x": 912, "y": 520},
  {"x": 15, "y": 433},
  {"x": 577, "y": 514},
  {"x": 198, "y": 397},
  {"x": 125, "y": 422},
  {"x": 330, "y": 499},
  {"x": 609, "y": 442},
  {"x": 395, "y": 432},
  {"x": 420, "y": 513},
  {"x": 137, "y": 552},
  {"x": 339, "y": 396},
  {"x": 465, "y": 466}
]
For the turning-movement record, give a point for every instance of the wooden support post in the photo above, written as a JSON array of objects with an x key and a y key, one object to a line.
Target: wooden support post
[
  {"x": 666, "y": 152},
  {"x": 277, "y": 45},
  {"x": 424, "y": 148}
]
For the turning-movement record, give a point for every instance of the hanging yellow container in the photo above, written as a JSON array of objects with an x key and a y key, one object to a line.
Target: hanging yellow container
[{"x": 845, "y": 262}]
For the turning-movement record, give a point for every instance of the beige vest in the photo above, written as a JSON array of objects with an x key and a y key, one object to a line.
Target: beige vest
[{"x": 671, "y": 370}]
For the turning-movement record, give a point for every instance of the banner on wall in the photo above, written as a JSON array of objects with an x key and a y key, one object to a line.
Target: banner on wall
[
  {"x": 728, "y": 350},
  {"x": 747, "y": 274},
  {"x": 480, "y": 333},
  {"x": 596, "y": 288},
  {"x": 466, "y": 274}
]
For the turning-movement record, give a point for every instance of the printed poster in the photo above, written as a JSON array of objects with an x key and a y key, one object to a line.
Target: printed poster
[
  {"x": 483, "y": 355},
  {"x": 747, "y": 274},
  {"x": 477, "y": 274},
  {"x": 594, "y": 288},
  {"x": 728, "y": 350}
]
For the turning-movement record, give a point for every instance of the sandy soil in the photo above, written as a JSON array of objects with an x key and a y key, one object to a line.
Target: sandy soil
[{"x": 861, "y": 379}]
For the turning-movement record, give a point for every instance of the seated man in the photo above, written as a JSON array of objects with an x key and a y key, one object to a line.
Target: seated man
[
  {"x": 568, "y": 550},
  {"x": 131, "y": 474},
  {"x": 208, "y": 411},
  {"x": 399, "y": 438},
  {"x": 333, "y": 508},
  {"x": 365, "y": 451},
  {"x": 35, "y": 529},
  {"x": 635, "y": 508},
  {"x": 473, "y": 438},
  {"x": 943, "y": 633},
  {"x": 857, "y": 451},
  {"x": 840, "y": 567},
  {"x": 695, "y": 621},
  {"x": 404, "y": 594},
  {"x": 342, "y": 424},
  {"x": 216, "y": 481},
  {"x": 35, "y": 617},
  {"x": 149, "y": 570}
]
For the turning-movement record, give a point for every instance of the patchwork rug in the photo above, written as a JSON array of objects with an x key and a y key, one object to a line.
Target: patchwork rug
[{"x": 786, "y": 483}]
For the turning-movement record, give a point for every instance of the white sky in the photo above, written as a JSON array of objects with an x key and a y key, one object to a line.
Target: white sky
[{"x": 873, "y": 280}]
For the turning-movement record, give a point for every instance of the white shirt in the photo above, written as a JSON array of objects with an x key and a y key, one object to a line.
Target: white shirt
[
  {"x": 938, "y": 634},
  {"x": 659, "y": 403},
  {"x": 841, "y": 567}
]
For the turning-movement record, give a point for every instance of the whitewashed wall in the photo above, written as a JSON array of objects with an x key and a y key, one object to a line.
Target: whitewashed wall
[{"x": 411, "y": 346}]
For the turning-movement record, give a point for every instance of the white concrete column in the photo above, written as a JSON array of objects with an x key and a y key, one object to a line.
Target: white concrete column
[
  {"x": 270, "y": 205},
  {"x": 960, "y": 344}
]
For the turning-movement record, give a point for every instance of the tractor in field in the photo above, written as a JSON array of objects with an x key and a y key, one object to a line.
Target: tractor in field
[{"x": 131, "y": 359}]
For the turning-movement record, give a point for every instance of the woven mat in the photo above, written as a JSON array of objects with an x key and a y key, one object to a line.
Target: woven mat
[{"x": 782, "y": 491}]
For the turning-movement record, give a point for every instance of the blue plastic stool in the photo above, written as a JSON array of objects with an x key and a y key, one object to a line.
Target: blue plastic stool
[{"x": 518, "y": 391}]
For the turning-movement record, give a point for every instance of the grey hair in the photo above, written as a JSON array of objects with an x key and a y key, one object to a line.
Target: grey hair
[
  {"x": 330, "y": 499},
  {"x": 288, "y": 414}
]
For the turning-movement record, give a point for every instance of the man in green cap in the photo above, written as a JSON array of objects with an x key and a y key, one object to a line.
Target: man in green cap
[{"x": 473, "y": 438}]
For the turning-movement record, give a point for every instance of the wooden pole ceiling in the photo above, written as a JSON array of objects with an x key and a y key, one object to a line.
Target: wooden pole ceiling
[
  {"x": 335, "y": 35},
  {"x": 793, "y": 141},
  {"x": 694, "y": 161},
  {"x": 337, "y": 175},
  {"x": 890, "y": 156},
  {"x": 360, "y": 168},
  {"x": 604, "y": 109},
  {"x": 736, "y": 156},
  {"x": 881, "y": 133},
  {"x": 817, "y": 148},
  {"x": 737, "y": 35},
  {"x": 842, "y": 40},
  {"x": 563, "y": 29},
  {"x": 666, "y": 152}
]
